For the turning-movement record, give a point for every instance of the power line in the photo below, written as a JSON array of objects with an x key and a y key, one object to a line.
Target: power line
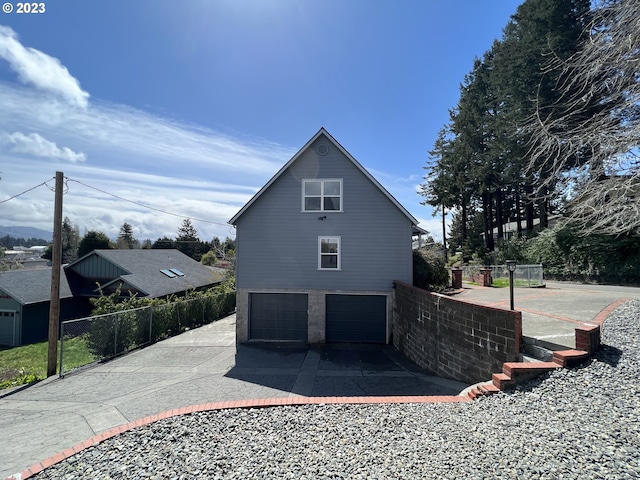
[
  {"x": 26, "y": 191},
  {"x": 145, "y": 206}
]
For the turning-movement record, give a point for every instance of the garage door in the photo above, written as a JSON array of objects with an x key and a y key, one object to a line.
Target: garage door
[
  {"x": 8, "y": 328},
  {"x": 356, "y": 318},
  {"x": 278, "y": 316}
]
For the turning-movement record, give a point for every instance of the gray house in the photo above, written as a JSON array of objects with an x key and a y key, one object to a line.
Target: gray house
[
  {"x": 24, "y": 305},
  {"x": 317, "y": 250}
]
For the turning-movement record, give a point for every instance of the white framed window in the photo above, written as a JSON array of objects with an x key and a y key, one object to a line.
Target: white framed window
[
  {"x": 322, "y": 195},
  {"x": 329, "y": 253}
]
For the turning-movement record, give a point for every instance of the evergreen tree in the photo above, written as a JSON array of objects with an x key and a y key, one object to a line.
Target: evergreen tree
[
  {"x": 447, "y": 181},
  {"x": 164, "y": 242},
  {"x": 126, "y": 239},
  {"x": 93, "y": 240},
  {"x": 187, "y": 240},
  {"x": 538, "y": 31},
  {"x": 479, "y": 160},
  {"x": 70, "y": 241}
]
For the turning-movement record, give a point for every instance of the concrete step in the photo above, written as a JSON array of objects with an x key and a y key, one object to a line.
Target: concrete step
[
  {"x": 541, "y": 349},
  {"x": 534, "y": 353}
]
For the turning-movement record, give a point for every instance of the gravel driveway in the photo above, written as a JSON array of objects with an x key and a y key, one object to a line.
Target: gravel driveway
[{"x": 580, "y": 423}]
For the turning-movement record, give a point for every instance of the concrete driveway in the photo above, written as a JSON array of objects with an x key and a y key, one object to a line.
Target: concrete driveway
[
  {"x": 199, "y": 366},
  {"x": 551, "y": 314}
]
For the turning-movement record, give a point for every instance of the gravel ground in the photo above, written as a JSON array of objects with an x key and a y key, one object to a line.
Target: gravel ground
[{"x": 574, "y": 423}]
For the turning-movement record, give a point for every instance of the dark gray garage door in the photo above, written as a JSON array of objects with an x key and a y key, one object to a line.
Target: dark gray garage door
[
  {"x": 278, "y": 316},
  {"x": 356, "y": 318}
]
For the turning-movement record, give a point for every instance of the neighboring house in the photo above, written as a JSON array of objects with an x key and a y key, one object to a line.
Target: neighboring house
[
  {"x": 24, "y": 305},
  {"x": 317, "y": 250},
  {"x": 510, "y": 229},
  {"x": 23, "y": 257},
  {"x": 25, "y": 294},
  {"x": 146, "y": 273}
]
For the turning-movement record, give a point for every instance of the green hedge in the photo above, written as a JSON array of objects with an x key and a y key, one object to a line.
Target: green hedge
[{"x": 116, "y": 332}]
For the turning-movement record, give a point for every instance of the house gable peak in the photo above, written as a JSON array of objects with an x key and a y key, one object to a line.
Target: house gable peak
[{"x": 329, "y": 137}]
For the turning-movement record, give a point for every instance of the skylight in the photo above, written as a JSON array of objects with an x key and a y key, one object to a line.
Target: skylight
[{"x": 172, "y": 272}]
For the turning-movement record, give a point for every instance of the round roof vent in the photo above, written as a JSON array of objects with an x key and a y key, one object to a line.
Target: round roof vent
[{"x": 323, "y": 149}]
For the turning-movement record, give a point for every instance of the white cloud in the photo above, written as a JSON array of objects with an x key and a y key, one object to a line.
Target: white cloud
[
  {"x": 209, "y": 202},
  {"x": 40, "y": 70},
  {"x": 34, "y": 144},
  {"x": 433, "y": 226},
  {"x": 127, "y": 135}
]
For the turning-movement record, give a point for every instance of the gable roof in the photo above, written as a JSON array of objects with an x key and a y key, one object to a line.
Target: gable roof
[
  {"x": 322, "y": 131},
  {"x": 32, "y": 286},
  {"x": 142, "y": 270}
]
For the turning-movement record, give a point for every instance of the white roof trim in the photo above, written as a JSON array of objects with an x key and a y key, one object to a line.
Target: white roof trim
[{"x": 322, "y": 131}]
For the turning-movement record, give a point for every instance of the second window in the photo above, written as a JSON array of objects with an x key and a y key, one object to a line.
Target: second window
[{"x": 329, "y": 253}]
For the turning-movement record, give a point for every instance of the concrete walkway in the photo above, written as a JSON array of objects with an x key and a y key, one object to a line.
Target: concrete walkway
[
  {"x": 551, "y": 314},
  {"x": 199, "y": 366}
]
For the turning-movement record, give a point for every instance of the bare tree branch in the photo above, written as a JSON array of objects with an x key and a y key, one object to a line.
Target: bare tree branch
[{"x": 589, "y": 139}]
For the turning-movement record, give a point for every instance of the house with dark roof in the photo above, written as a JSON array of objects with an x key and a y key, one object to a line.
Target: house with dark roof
[
  {"x": 317, "y": 250},
  {"x": 24, "y": 305},
  {"x": 25, "y": 294},
  {"x": 152, "y": 273}
]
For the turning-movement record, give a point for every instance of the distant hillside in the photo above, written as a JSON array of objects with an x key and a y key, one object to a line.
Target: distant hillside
[{"x": 26, "y": 232}]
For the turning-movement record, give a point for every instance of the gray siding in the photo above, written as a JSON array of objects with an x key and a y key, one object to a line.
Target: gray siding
[
  {"x": 277, "y": 244},
  {"x": 98, "y": 267}
]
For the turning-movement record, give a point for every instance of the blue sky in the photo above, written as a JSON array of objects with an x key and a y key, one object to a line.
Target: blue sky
[{"x": 190, "y": 107}]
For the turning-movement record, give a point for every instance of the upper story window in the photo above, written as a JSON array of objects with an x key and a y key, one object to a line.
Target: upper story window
[{"x": 322, "y": 195}]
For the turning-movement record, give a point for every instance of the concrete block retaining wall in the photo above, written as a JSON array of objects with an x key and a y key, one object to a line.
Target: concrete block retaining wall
[{"x": 454, "y": 339}]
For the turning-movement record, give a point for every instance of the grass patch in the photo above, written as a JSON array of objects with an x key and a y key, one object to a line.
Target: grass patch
[
  {"x": 28, "y": 363},
  {"x": 504, "y": 282}
]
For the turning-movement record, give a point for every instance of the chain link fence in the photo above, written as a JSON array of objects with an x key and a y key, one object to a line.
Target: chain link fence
[
  {"x": 524, "y": 276},
  {"x": 94, "y": 339}
]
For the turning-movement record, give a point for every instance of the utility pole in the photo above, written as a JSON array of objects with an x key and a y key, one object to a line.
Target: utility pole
[{"x": 56, "y": 264}]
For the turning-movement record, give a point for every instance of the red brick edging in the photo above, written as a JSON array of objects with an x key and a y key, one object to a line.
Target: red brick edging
[
  {"x": 205, "y": 407},
  {"x": 587, "y": 339},
  {"x": 606, "y": 311}
]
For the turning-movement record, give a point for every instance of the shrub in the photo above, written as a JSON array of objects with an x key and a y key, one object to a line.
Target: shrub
[
  {"x": 429, "y": 272},
  {"x": 209, "y": 258},
  {"x": 123, "y": 325}
]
